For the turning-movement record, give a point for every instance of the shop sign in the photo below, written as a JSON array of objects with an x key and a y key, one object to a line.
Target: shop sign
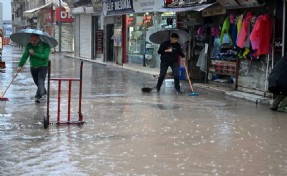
[
  {"x": 181, "y": 6},
  {"x": 47, "y": 15},
  {"x": 212, "y": 11},
  {"x": 114, "y": 7},
  {"x": 141, "y": 6},
  {"x": 99, "y": 41},
  {"x": 66, "y": 17},
  {"x": 236, "y": 4},
  {"x": 1, "y": 39},
  {"x": 97, "y": 6},
  {"x": 278, "y": 44},
  {"x": 77, "y": 3}
]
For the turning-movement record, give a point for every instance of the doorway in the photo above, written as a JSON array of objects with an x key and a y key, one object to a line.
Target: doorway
[
  {"x": 94, "y": 36},
  {"x": 110, "y": 42}
]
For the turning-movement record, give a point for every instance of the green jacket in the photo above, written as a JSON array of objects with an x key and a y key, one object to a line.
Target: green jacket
[{"x": 40, "y": 58}]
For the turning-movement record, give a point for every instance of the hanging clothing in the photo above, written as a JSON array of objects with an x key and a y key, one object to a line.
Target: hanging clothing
[
  {"x": 261, "y": 34},
  {"x": 225, "y": 29},
  {"x": 233, "y": 33},
  {"x": 201, "y": 62},
  {"x": 239, "y": 24},
  {"x": 241, "y": 39}
]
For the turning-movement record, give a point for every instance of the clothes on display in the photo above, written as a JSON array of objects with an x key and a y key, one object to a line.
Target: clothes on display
[{"x": 250, "y": 34}]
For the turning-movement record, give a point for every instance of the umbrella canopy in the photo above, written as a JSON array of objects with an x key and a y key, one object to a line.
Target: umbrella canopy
[
  {"x": 163, "y": 35},
  {"x": 22, "y": 37}
]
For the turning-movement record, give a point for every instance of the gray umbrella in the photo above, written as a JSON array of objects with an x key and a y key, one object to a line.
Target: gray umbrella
[
  {"x": 22, "y": 37},
  {"x": 163, "y": 35}
]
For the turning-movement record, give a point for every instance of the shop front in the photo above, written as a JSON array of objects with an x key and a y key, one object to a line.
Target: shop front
[
  {"x": 140, "y": 26},
  {"x": 87, "y": 27},
  {"x": 64, "y": 29},
  {"x": 253, "y": 46},
  {"x": 115, "y": 29},
  {"x": 234, "y": 45}
]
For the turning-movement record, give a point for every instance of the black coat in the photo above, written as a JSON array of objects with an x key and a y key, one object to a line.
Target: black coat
[
  {"x": 278, "y": 77},
  {"x": 172, "y": 56}
]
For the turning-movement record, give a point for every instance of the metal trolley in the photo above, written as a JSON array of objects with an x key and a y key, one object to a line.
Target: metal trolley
[{"x": 60, "y": 80}]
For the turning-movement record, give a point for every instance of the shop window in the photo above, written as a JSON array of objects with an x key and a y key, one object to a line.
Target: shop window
[
  {"x": 168, "y": 20},
  {"x": 137, "y": 27}
]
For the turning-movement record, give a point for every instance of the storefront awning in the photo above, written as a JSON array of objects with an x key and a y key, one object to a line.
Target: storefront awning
[
  {"x": 236, "y": 4},
  {"x": 197, "y": 8},
  {"x": 36, "y": 9},
  {"x": 29, "y": 12}
]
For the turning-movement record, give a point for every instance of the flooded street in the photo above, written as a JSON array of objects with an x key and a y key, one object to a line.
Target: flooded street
[{"x": 128, "y": 132}]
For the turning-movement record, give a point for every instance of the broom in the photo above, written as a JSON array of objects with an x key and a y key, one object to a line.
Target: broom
[
  {"x": 187, "y": 75},
  {"x": 2, "y": 97}
]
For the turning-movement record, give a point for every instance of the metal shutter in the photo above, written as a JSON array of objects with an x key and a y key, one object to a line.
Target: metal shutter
[{"x": 85, "y": 36}]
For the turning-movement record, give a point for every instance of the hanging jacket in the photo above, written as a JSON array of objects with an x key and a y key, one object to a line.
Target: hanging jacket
[
  {"x": 225, "y": 29},
  {"x": 261, "y": 34},
  {"x": 233, "y": 33},
  {"x": 241, "y": 39},
  {"x": 40, "y": 58},
  {"x": 239, "y": 24}
]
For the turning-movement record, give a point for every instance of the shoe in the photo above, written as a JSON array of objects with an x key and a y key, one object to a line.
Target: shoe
[
  {"x": 179, "y": 92},
  {"x": 283, "y": 109},
  {"x": 157, "y": 90},
  {"x": 44, "y": 97},
  {"x": 37, "y": 100}
]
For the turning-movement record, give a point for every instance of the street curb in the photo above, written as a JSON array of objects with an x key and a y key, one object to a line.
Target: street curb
[{"x": 238, "y": 94}]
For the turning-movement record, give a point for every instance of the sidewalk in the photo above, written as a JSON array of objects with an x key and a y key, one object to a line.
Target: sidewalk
[{"x": 209, "y": 86}]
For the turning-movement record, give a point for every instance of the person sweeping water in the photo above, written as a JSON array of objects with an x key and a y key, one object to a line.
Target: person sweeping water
[
  {"x": 38, "y": 53},
  {"x": 170, "y": 51}
]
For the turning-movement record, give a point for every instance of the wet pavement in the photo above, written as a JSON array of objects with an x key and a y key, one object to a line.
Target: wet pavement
[{"x": 128, "y": 132}]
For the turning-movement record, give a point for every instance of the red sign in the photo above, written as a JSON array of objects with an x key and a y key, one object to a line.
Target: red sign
[
  {"x": 1, "y": 40},
  {"x": 47, "y": 15},
  {"x": 100, "y": 41},
  {"x": 65, "y": 17}
]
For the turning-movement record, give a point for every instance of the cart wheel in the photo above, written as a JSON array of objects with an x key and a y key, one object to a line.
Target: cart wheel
[{"x": 46, "y": 123}]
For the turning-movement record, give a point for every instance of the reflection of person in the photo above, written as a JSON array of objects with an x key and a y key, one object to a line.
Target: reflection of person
[
  {"x": 278, "y": 85},
  {"x": 38, "y": 52},
  {"x": 170, "y": 51}
]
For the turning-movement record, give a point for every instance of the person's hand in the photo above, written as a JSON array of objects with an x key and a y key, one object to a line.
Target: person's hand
[
  {"x": 31, "y": 52},
  {"x": 183, "y": 59},
  {"x": 169, "y": 50},
  {"x": 19, "y": 69}
]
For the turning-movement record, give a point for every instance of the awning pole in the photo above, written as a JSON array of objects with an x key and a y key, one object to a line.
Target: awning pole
[
  {"x": 284, "y": 28},
  {"x": 60, "y": 27}
]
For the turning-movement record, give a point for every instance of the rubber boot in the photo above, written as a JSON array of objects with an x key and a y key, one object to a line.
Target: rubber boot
[
  {"x": 276, "y": 102},
  {"x": 282, "y": 107}
]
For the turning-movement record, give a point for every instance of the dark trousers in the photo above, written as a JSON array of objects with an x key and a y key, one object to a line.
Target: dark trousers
[
  {"x": 39, "y": 77},
  {"x": 163, "y": 69}
]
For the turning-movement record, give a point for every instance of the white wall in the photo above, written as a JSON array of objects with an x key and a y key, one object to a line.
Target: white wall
[{"x": 1, "y": 15}]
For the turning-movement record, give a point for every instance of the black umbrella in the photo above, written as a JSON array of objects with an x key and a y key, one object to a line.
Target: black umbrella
[{"x": 163, "y": 35}]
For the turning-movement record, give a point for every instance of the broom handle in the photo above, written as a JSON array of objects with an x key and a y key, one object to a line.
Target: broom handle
[
  {"x": 9, "y": 84},
  {"x": 187, "y": 75}
]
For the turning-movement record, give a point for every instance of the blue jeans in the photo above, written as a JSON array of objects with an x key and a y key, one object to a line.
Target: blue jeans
[{"x": 39, "y": 77}]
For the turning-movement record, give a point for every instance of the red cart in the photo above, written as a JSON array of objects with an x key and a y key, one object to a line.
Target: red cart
[{"x": 80, "y": 120}]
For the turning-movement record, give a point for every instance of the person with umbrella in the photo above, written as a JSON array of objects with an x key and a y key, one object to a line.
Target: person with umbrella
[
  {"x": 38, "y": 52},
  {"x": 170, "y": 51}
]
